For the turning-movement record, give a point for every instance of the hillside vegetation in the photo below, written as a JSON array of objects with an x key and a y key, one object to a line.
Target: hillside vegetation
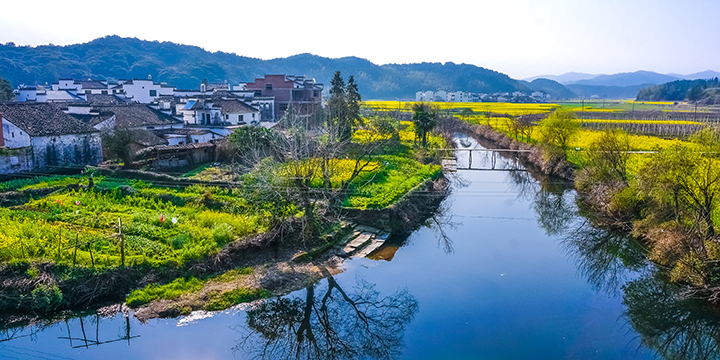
[
  {"x": 701, "y": 91},
  {"x": 184, "y": 66}
]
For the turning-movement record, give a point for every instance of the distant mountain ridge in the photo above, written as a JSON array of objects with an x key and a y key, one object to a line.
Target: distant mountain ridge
[
  {"x": 625, "y": 79},
  {"x": 184, "y": 66}
]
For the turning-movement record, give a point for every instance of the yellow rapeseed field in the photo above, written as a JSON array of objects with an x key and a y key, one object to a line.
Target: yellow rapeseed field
[{"x": 493, "y": 107}]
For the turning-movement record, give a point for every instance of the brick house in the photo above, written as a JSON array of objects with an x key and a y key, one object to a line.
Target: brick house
[{"x": 304, "y": 94}]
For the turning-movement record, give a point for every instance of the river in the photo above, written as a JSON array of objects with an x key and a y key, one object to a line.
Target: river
[{"x": 506, "y": 270}]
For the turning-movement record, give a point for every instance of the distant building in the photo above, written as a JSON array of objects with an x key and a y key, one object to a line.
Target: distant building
[
  {"x": 143, "y": 91},
  {"x": 220, "y": 115},
  {"x": 304, "y": 94}
]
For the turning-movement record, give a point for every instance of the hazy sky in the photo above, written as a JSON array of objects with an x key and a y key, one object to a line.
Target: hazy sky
[{"x": 518, "y": 37}]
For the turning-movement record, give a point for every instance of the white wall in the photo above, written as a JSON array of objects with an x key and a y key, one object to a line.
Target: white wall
[
  {"x": 14, "y": 136},
  {"x": 25, "y": 95},
  {"x": 67, "y": 150},
  {"x": 139, "y": 91},
  {"x": 202, "y": 138}
]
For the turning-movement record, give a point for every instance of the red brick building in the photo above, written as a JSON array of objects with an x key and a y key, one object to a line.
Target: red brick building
[{"x": 304, "y": 94}]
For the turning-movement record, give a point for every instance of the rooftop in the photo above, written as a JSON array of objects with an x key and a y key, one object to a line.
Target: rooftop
[{"x": 44, "y": 119}]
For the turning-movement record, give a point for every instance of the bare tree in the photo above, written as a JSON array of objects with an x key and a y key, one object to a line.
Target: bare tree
[{"x": 334, "y": 324}]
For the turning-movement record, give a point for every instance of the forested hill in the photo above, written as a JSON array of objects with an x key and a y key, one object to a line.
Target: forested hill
[
  {"x": 701, "y": 91},
  {"x": 184, "y": 66}
]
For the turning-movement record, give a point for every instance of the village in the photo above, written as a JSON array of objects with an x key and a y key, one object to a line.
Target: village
[{"x": 55, "y": 127}]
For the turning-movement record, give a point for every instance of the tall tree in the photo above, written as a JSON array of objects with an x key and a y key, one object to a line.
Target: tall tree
[
  {"x": 338, "y": 108},
  {"x": 425, "y": 119},
  {"x": 353, "y": 102},
  {"x": 6, "y": 91}
]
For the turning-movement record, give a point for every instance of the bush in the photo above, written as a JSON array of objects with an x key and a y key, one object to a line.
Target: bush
[
  {"x": 222, "y": 233},
  {"x": 46, "y": 298}
]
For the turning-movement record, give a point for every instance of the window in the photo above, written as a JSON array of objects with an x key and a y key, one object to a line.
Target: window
[
  {"x": 104, "y": 92},
  {"x": 283, "y": 107},
  {"x": 13, "y": 134},
  {"x": 241, "y": 118},
  {"x": 268, "y": 87},
  {"x": 316, "y": 93},
  {"x": 153, "y": 92},
  {"x": 258, "y": 93},
  {"x": 227, "y": 116},
  {"x": 88, "y": 92}
]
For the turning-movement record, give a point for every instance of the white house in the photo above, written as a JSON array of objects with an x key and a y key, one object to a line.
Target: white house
[
  {"x": 143, "y": 91},
  {"x": 43, "y": 136}
]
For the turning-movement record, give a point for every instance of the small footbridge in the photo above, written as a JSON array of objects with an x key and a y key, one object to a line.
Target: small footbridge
[{"x": 481, "y": 159}]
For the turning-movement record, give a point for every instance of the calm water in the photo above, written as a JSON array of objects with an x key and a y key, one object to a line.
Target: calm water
[{"x": 507, "y": 270}]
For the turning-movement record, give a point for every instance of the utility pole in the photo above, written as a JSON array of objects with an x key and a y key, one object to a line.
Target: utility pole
[{"x": 122, "y": 243}]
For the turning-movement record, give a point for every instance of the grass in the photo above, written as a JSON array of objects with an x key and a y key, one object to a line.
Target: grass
[
  {"x": 160, "y": 226},
  {"x": 396, "y": 178},
  {"x": 169, "y": 291},
  {"x": 216, "y": 299}
]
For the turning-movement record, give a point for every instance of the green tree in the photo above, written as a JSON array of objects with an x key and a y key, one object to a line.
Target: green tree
[
  {"x": 6, "y": 91},
  {"x": 117, "y": 144},
  {"x": 425, "y": 119},
  {"x": 251, "y": 144},
  {"x": 353, "y": 102},
  {"x": 608, "y": 156},
  {"x": 687, "y": 179},
  {"x": 559, "y": 127},
  {"x": 338, "y": 108}
]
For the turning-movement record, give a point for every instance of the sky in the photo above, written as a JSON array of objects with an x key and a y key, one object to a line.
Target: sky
[{"x": 521, "y": 38}]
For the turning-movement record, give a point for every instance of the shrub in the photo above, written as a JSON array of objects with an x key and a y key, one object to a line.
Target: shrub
[
  {"x": 46, "y": 298},
  {"x": 222, "y": 233}
]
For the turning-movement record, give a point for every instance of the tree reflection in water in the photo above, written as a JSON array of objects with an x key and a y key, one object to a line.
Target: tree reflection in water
[
  {"x": 668, "y": 322},
  {"x": 606, "y": 258},
  {"x": 675, "y": 327},
  {"x": 333, "y": 324}
]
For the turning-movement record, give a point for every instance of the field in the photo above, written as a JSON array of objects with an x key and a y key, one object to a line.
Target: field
[
  {"x": 484, "y": 107},
  {"x": 80, "y": 226},
  {"x": 159, "y": 225}
]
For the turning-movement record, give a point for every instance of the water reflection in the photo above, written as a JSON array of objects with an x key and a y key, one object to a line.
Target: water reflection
[
  {"x": 677, "y": 328},
  {"x": 614, "y": 262},
  {"x": 329, "y": 324}
]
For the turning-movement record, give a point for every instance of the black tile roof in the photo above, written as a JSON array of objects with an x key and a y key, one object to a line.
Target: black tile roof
[
  {"x": 93, "y": 84},
  {"x": 44, "y": 119},
  {"x": 146, "y": 138},
  {"x": 138, "y": 115},
  {"x": 233, "y": 106},
  {"x": 183, "y": 131},
  {"x": 104, "y": 99},
  {"x": 94, "y": 119}
]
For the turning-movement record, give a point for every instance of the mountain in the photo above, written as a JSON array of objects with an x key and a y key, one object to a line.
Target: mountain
[
  {"x": 707, "y": 74},
  {"x": 114, "y": 57},
  {"x": 565, "y": 78},
  {"x": 555, "y": 89},
  {"x": 606, "y": 92},
  {"x": 701, "y": 91},
  {"x": 627, "y": 79}
]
